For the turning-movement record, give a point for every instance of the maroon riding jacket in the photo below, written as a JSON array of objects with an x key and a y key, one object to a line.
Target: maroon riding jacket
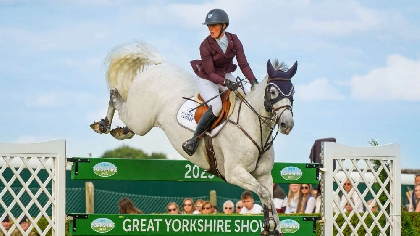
[{"x": 214, "y": 64}]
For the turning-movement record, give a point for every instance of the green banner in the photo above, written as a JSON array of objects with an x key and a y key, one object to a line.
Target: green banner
[
  {"x": 174, "y": 170},
  {"x": 165, "y": 224}
]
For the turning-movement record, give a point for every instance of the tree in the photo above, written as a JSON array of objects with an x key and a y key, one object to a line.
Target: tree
[{"x": 132, "y": 153}]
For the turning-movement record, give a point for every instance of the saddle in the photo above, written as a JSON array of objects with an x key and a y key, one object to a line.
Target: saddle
[{"x": 226, "y": 105}]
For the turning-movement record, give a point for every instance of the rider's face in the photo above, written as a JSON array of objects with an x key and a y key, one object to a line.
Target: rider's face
[{"x": 215, "y": 30}]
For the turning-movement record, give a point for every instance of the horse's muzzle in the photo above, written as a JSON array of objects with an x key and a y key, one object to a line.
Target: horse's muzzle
[{"x": 286, "y": 126}]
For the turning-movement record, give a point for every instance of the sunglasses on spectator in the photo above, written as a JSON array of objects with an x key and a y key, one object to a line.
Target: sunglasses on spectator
[
  {"x": 347, "y": 183},
  {"x": 228, "y": 208},
  {"x": 188, "y": 204},
  {"x": 238, "y": 207},
  {"x": 171, "y": 209},
  {"x": 207, "y": 208},
  {"x": 304, "y": 187}
]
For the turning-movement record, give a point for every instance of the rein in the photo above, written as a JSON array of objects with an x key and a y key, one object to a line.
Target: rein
[{"x": 262, "y": 120}]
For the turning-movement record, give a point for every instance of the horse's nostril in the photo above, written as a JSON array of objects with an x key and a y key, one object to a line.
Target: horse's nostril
[{"x": 283, "y": 125}]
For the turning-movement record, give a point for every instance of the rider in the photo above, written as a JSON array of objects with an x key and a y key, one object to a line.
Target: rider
[{"x": 214, "y": 70}]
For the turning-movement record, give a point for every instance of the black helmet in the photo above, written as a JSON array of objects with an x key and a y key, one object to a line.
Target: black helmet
[{"x": 216, "y": 16}]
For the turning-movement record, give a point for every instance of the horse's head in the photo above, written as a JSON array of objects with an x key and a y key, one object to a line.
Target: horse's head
[{"x": 278, "y": 98}]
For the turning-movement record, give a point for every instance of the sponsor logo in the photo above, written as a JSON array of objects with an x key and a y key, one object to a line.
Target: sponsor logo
[
  {"x": 289, "y": 226},
  {"x": 102, "y": 225},
  {"x": 105, "y": 169},
  {"x": 291, "y": 173}
]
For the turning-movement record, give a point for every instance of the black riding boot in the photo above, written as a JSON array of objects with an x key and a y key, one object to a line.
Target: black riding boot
[{"x": 204, "y": 123}]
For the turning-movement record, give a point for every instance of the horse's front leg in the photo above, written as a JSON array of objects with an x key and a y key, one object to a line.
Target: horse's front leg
[
  {"x": 238, "y": 175},
  {"x": 271, "y": 218}
]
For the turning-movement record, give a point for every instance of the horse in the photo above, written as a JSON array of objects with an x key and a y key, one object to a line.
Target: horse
[{"x": 147, "y": 92}]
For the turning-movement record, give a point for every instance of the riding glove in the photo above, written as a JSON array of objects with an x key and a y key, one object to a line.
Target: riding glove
[{"x": 232, "y": 86}]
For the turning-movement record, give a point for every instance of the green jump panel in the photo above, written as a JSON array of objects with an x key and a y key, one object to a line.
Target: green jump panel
[
  {"x": 175, "y": 170},
  {"x": 165, "y": 224}
]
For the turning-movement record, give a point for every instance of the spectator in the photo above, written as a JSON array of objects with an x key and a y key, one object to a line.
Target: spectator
[
  {"x": 239, "y": 206},
  {"x": 348, "y": 187},
  {"x": 173, "y": 208},
  {"x": 306, "y": 200},
  {"x": 347, "y": 207},
  {"x": 249, "y": 206},
  {"x": 411, "y": 196},
  {"x": 5, "y": 223},
  {"x": 188, "y": 206},
  {"x": 315, "y": 193},
  {"x": 417, "y": 197},
  {"x": 198, "y": 206},
  {"x": 25, "y": 223},
  {"x": 207, "y": 208},
  {"x": 292, "y": 198},
  {"x": 318, "y": 198},
  {"x": 228, "y": 207},
  {"x": 279, "y": 198},
  {"x": 215, "y": 209},
  {"x": 372, "y": 205},
  {"x": 127, "y": 207}
]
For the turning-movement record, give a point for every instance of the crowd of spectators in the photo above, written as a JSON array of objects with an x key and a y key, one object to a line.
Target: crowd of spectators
[{"x": 300, "y": 199}]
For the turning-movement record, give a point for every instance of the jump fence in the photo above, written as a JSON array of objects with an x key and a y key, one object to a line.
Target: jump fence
[{"x": 339, "y": 164}]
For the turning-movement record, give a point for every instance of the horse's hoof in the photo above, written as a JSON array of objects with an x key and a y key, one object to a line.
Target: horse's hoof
[
  {"x": 101, "y": 127},
  {"x": 122, "y": 133},
  {"x": 271, "y": 233},
  {"x": 264, "y": 233}
]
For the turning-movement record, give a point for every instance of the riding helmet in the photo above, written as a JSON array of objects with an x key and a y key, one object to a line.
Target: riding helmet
[{"x": 216, "y": 16}]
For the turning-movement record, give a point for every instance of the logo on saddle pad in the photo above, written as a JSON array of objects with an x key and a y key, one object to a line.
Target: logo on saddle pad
[{"x": 193, "y": 108}]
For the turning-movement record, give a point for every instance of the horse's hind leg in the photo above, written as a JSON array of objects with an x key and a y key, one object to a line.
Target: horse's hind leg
[{"x": 104, "y": 125}]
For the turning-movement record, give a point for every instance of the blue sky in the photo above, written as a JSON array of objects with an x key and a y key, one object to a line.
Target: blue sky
[{"x": 358, "y": 76}]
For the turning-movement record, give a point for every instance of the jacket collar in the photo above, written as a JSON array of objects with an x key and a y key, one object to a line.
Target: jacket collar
[{"x": 214, "y": 45}]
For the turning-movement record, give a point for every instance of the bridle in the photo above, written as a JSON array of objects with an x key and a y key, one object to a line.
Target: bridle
[
  {"x": 269, "y": 102},
  {"x": 270, "y": 122}
]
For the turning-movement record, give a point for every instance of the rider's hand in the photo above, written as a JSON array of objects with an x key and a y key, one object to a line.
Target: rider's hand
[
  {"x": 232, "y": 86},
  {"x": 253, "y": 82}
]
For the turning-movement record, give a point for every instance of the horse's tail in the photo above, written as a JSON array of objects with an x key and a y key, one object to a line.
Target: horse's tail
[{"x": 126, "y": 61}]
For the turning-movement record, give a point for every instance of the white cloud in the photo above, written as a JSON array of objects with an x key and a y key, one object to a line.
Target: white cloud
[
  {"x": 398, "y": 80},
  {"x": 319, "y": 89}
]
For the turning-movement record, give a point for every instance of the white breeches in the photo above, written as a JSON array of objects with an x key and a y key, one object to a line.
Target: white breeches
[{"x": 208, "y": 90}]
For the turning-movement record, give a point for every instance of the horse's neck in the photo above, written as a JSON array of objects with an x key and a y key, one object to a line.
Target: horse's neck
[{"x": 248, "y": 118}]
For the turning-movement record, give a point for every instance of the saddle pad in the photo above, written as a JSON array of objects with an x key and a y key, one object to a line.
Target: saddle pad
[{"x": 185, "y": 117}]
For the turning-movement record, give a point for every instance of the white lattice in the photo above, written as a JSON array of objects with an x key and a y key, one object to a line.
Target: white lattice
[
  {"x": 24, "y": 166},
  {"x": 361, "y": 165}
]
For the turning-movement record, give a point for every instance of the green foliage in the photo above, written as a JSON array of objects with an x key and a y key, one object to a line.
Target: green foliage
[{"x": 132, "y": 153}]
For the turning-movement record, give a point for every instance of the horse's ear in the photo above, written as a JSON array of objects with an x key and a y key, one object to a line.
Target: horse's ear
[
  {"x": 270, "y": 70},
  {"x": 292, "y": 71}
]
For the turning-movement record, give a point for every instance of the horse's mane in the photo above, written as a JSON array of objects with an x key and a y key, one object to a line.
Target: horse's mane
[{"x": 280, "y": 65}]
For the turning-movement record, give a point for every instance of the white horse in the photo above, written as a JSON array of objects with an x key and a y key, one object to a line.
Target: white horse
[{"x": 147, "y": 92}]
